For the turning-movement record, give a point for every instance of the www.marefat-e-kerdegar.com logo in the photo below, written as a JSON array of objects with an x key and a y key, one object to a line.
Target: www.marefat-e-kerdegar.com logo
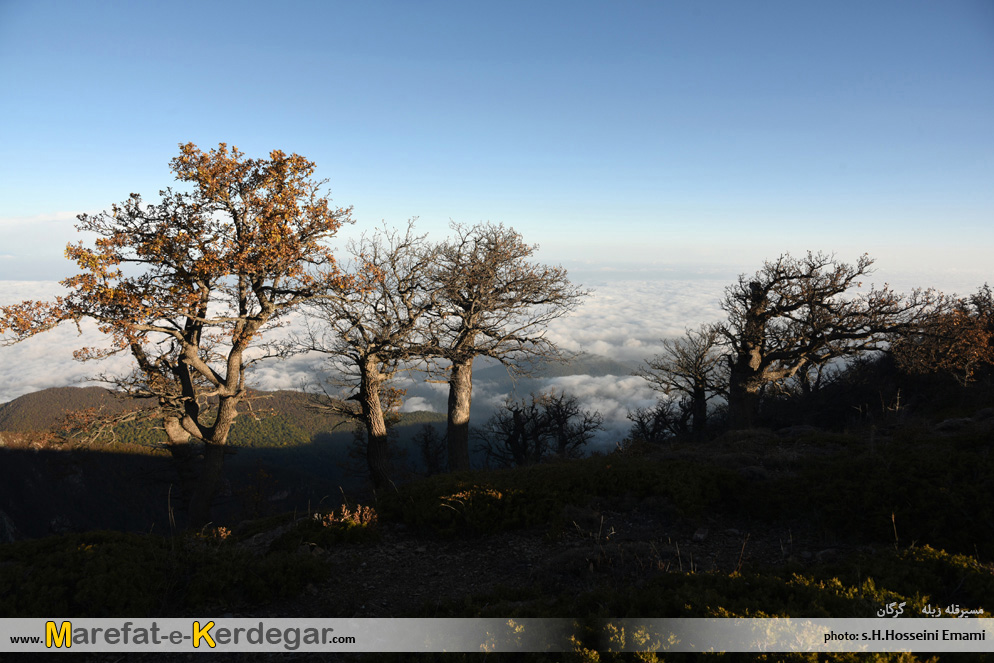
[{"x": 199, "y": 634}]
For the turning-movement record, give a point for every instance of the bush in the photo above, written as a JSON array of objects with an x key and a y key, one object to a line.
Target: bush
[{"x": 325, "y": 529}]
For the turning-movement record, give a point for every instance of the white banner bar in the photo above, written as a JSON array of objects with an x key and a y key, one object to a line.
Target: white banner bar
[{"x": 496, "y": 635}]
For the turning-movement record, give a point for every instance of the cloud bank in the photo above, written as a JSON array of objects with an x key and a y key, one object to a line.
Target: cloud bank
[{"x": 624, "y": 320}]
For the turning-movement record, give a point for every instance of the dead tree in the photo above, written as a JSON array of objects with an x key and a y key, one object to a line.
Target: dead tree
[{"x": 528, "y": 431}]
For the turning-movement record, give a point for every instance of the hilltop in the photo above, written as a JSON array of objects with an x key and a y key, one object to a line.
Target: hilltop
[
  {"x": 44, "y": 409},
  {"x": 751, "y": 524}
]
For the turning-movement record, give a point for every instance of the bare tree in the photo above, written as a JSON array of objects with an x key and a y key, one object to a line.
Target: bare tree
[
  {"x": 431, "y": 448},
  {"x": 493, "y": 302},
  {"x": 664, "y": 420},
  {"x": 692, "y": 366},
  {"x": 792, "y": 315},
  {"x": 528, "y": 431},
  {"x": 374, "y": 331},
  {"x": 190, "y": 286}
]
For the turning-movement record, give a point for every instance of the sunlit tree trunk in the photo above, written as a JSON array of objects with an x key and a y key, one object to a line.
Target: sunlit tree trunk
[
  {"x": 376, "y": 428},
  {"x": 460, "y": 397}
]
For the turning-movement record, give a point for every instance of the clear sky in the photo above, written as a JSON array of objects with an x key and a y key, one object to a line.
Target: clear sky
[{"x": 677, "y": 134}]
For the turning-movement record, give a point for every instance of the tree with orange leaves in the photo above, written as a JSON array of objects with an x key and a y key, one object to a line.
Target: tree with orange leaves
[
  {"x": 957, "y": 339},
  {"x": 190, "y": 286}
]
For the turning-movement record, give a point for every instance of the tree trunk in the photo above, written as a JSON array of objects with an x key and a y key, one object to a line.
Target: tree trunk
[
  {"x": 699, "y": 412},
  {"x": 212, "y": 470},
  {"x": 205, "y": 489},
  {"x": 743, "y": 399},
  {"x": 746, "y": 378},
  {"x": 460, "y": 397},
  {"x": 376, "y": 428},
  {"x": 185, "y": 461}
]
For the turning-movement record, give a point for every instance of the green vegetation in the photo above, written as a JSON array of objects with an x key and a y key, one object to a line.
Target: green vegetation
[
  {"x": 108, "y": 574},
  {"x": 858, "y": 587},
  {"x": 932, "y": 489},
  {"x": 837, "y": 483},
  {"x": 908, "y": 505},
  {"x": 43, "y": 410}
]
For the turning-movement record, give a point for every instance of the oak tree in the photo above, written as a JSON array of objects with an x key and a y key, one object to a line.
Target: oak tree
[
  {"x": 190, "y": 286},
  {"x": 691, "y": 367},
  {"x": 493, "y": 301},
  {"x": 373, "y": 331},
  {"x": 956, "y": 339},
  {"x": 797, "y": 313},
  {"x": 665, "y": 420}
]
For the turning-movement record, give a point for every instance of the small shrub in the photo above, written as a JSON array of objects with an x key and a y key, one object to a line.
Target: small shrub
[{"x": 342, "y": 525}]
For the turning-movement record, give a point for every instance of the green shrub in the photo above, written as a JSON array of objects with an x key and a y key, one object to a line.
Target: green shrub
[{"x": 934, "y": 490}]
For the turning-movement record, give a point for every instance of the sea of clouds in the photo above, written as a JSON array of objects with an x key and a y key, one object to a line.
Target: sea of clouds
[{"x": 623, "y": 319}]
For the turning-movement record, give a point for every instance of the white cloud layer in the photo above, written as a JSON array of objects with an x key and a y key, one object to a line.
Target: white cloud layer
[{"x": 623, "y": 319}]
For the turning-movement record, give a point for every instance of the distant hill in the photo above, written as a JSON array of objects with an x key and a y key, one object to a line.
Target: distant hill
[
  {"x": 292, "y": 417},
  {"x": 282, "y": 418},
  {"x": 41, "y": 410}
]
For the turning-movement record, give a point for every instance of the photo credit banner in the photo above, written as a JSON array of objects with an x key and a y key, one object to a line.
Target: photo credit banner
[{"x": 223, "y": 634}]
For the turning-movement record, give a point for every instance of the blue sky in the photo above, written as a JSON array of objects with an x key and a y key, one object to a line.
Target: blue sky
[{"x": 670, "y": 135}]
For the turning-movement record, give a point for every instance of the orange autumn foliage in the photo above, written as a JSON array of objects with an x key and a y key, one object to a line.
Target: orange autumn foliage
[{"x": 188, "y": 285}]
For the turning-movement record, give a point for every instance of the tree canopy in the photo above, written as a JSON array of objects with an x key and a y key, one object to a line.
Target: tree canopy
[
  {"x": 796, "y": 313},
  {"x": 492, "y": 301},
  {"x": 189, "y": 284}
]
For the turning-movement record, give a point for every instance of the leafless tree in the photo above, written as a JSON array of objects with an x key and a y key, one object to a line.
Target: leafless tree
[
  {"x": 792, "y": 315},
  {"x": 665, "y": 420},
  {"x": 431, "y": 448},
  {"x": 373, "y": 331},
  {"x": 527, "y": 431},
  {"x": 692, "y": 366},
  {"x": 492, "y": 302}
]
